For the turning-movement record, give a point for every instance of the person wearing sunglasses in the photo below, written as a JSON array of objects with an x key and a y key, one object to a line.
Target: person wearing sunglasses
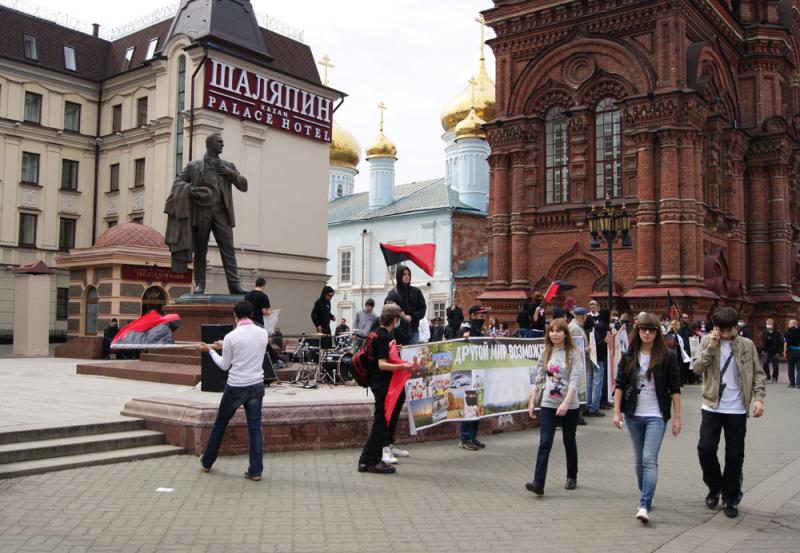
[
  {"x": 732, "y": 381},
  {"x": 648, "y": 387}
]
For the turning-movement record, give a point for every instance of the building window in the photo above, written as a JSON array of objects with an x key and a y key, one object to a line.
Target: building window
[
  {"x": 33, "y": 107},
  {"x": 608, "y": 139},
  {"x": 111, "y": 223},
  {"x": 345, "y": 265},
  {"x": 90, "y": 320},
  {"x": 70, "y": 63},
  {"x": 151, "y": 48},
  {"x": 30, "y": 168},
  {"x": 339, "y": 190},
  {"x": 66, "y": 234},
  {"x": 138, "y": 172},
  {"x": 69, "y": 175},
  {"x": 557, "y": 157},
  {"x": 154, "y": 299},
  {"x": 128, "y": 58},
  {"x": 62, "y": 304},
  {"x": 31, "y": 49},
  {"x": 141, "y": 112},
  {"x": 439, "y": 310},
  {"x": 72, "y": 116},
  {"x": 27, "y": 229},
  {"x": 181, "y": 104},
  {"x": 116, "y": 118},
  {"x": 139, "y": 219},
  {"x": 113, "y": 178}
]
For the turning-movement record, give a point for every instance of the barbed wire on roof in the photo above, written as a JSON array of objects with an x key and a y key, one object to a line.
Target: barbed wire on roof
[{"x": 66, "y": 20}]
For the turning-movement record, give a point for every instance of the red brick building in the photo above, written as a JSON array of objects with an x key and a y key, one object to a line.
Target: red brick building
[{"x": 687, "y": 112}]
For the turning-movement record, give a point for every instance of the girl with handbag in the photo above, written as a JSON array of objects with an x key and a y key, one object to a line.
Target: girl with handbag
[
  {"x": 648, "y": 380},
  {"x": 556, "y": 395}
]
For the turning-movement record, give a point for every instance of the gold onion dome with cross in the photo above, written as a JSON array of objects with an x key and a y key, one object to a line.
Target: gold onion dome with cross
[
  {"x": 478, "y": 95},
  {"x": 345, "y": 151},
  {"x": 381, "y": 146}
]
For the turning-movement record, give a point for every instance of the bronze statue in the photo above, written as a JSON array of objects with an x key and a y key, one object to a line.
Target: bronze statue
[{"x": 201, "y": 202}]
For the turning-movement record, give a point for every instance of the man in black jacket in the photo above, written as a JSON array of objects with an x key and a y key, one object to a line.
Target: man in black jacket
[
  {"x": 771, "y": 347},
  {"x": 108, "y": 336},
  {"x": 321, "y": 315},
  {"x": 455, "y": 316},
  {"x": 411, "y": 301},
  {"x": 685, "y": 332},
  {"x": 791, "y": 351},
  {"x": 468, "y": 430}
]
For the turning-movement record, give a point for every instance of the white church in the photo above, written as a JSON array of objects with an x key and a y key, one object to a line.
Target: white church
[{"x": 429, "y": 211}]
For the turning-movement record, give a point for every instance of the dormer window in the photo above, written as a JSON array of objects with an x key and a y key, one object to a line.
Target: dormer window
[
  {"x": 31, "y": 49},
  {"x": 151, "y": 48},
  {"x": 128, "y": 58},
  {"x": 70, "y": 63}
]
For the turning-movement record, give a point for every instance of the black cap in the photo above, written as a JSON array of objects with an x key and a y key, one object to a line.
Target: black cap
[{"x": 475, "y": 309}]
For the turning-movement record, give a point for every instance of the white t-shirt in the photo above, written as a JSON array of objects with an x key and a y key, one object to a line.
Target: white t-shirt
[
  {"x": 730, "y": 402},
  {"x": 647, "y": 403},
  {"x": 243, "y": 351}
]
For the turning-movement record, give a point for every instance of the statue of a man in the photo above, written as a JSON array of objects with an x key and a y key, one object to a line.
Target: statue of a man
[{"x": 201, "y": 202}]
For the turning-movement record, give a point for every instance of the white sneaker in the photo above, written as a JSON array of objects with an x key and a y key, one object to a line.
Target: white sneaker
[
  {"x": 398, "y": 452},
  {"x": 387, "y": 457},
  {"x": 642, "y": 515}
]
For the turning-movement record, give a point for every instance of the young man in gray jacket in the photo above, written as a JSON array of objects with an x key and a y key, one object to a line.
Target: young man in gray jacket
[{"x": 732, "y": 380}]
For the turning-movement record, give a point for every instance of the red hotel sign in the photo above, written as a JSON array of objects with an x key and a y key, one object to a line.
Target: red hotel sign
[
  {"x": 253, "y": 97},
  {"x": 154, "y": 274}
]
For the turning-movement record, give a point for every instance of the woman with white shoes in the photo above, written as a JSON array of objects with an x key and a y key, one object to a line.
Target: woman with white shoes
[{"x": 648, "y": 387}]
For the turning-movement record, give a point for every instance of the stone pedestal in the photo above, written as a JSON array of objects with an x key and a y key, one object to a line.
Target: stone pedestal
[
  {"x": 32, "y": 310},
  {"x": 199, "y": 309}
]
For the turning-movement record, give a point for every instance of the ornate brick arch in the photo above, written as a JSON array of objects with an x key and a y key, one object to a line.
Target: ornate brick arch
[
  {"x": 576, "y": 59},
  {"x": 712, "y": 77},
  {"x": 602, "y": 86},
  {"x": 550, "y": 95}
]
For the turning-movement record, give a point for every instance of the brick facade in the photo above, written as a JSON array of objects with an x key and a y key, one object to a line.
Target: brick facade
[{"x": 705, "y": 94}]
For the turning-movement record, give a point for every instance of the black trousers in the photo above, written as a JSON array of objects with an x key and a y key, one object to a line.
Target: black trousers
[
  {"x": 547, "y": 431},
  {"x": 729, "y": 482},
  {"x": 379, "y": 434},
  {"x": 773, "y": 359},
  {"x": 395, "y": 417},
  {"x": 214, "y": 219},
  {"x": 794, "y": 366}
]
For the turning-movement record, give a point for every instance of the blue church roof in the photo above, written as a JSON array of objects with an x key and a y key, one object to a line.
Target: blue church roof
[{"x": 408, "y": 198}]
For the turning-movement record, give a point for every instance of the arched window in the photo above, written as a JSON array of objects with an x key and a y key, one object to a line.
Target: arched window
[
  {"x": 607, "y": 149},
  {"x": 154, "y": 299},
  {"x": 90, "y": 313},
  {"x": 339, "y": 188},
  {"x": 556, "y": 168}
]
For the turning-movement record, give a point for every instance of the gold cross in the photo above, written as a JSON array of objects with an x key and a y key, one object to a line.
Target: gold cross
[
  {"x": 383, "y": 108},
  {"x": 325, "y": 62},
  {"x": 482, "y": 23}
]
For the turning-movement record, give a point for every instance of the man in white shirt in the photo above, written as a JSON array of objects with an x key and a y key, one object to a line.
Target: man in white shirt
[
  {"x": 732, "y": 381},
  {"x": 243, "y": 351}
]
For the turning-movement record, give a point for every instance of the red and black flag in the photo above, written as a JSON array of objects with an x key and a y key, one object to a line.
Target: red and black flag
[
  {"x": 556, "y": 287},
  {"x": 672, "y": 309},
  {"x": 422, "y": 255}
]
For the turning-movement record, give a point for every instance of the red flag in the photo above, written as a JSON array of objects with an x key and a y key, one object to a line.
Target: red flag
[
  {"x": 145, "y": 322},
  {"x": 672, "y": 309},
  {"x": 422, "y": 255},
  {"x": 397, "y": 384}
]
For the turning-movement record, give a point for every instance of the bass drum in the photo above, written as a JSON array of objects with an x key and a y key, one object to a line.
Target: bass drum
[{"x": 345, "y": 362}]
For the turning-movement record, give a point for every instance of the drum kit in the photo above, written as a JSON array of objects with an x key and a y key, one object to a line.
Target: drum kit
[{"x": 321, "y": 361}]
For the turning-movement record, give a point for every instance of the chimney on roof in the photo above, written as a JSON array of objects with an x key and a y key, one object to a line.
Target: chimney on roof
[{"x": 95, "y": 29}]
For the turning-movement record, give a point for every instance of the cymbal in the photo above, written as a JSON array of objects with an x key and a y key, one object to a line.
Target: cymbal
[{"x": 318, "y": 335}]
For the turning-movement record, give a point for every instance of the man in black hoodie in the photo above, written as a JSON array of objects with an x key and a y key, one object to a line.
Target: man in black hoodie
[
  {"x": 468, "y": 430},
  {"x": 411, "y": 301},
  {"x": 321, "y": 315}
]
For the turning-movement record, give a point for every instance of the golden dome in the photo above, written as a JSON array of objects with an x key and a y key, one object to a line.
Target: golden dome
[
  {"x": 345, "y": 150},
  {"x": 381, "y": 147},
  {"x": 470, "y": 127},
  {"x": 460, "y": 105}
]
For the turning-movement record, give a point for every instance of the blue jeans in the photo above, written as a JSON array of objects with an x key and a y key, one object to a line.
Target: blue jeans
[
  {"x": 414, "y": 338},
  {"x": 232, "y": 398},
  {"x": 594, "y": 386},
  {"x": 547, "y": 432},
  {"x": 647, "y": 433},
  {"x": 468, "y": 430}
]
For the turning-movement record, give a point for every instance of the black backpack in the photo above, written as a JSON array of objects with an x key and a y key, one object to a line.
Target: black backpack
[{"x": 361, "y": 362}]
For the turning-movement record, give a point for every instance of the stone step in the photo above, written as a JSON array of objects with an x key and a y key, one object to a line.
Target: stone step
[
  {"x": 39, "y": 466},
  {"x": 166, "y": 373},
  {"x": 34, "y": 433},
  {"x": 171, "y": 358},
  {"x": 78, "y": 445}
]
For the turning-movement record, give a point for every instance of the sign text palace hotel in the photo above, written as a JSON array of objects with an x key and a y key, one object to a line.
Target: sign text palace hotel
[{"x": 254, "y": 97}]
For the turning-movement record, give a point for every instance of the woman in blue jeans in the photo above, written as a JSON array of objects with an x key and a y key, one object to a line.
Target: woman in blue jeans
[
  {"x": 648, "y": 386},
  {"x": 558, "y": 374}
]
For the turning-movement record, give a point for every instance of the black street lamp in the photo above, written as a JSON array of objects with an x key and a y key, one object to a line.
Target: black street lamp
[{"x": 608, "y": 224}]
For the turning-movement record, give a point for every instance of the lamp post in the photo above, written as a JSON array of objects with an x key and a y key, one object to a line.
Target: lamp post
[{"x": 608, "y": 224}]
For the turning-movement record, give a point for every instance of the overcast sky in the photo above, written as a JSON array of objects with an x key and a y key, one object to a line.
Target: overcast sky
[{"x": 412, "y": 54}]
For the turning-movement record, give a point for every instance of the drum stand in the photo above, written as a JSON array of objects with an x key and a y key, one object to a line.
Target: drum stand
[{"x": 306, "y": 375}]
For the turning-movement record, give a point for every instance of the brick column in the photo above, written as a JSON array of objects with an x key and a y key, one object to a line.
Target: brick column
[
  {"x": 519, "y": 235},
  {"x": 779, "y": 230},
  {"x": 646, "y": 212},
  {"x": 688, "y": 181},
  {"x": 669, "y": 208},
  {"x": 736, "y": 236},
  {"x": 759, "y": 217},
  {"x": 499, "y": 219},
  {"x": 700, "y": 213}
]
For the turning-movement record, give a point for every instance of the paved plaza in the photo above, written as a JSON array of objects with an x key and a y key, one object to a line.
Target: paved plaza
[{"x": 442, "y": 498}]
